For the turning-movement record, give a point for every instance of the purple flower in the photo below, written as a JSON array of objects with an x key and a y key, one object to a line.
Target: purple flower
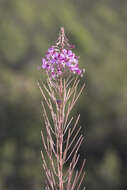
[
  {"x": 57, "y": 62},
  {"x": 44, "y": 63}
]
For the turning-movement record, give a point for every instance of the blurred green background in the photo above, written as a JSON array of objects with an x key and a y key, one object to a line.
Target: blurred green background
[{"x": 98, "y": 28}]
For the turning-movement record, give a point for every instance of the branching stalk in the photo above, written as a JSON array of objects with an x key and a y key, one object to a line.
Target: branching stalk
[{"x": 61, "y": 139}]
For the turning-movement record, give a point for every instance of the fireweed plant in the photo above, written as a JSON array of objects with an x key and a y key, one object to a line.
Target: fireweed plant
[{"x": 62, "y": 140}]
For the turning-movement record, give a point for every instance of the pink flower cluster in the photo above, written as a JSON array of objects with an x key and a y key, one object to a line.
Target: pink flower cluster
[{"x": 56, "y": 62}]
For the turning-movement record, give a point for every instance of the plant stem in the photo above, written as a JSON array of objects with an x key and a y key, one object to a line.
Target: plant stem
[{"x": 60, "y": 139}]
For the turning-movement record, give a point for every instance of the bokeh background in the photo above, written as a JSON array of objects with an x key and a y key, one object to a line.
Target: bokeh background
[{"x": 99, "y": 30}]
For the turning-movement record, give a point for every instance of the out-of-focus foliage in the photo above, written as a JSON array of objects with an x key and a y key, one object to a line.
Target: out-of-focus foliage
[{"x": 99, "y": 31}]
